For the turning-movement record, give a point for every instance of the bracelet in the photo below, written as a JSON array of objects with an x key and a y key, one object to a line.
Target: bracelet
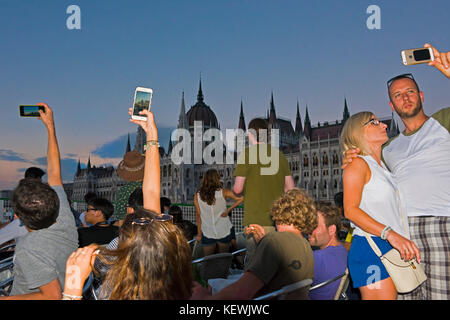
[
  {"x": 152, "y": 143},
  {"x": 383, "y": 233},
  {"x": 70, "y": 297}
]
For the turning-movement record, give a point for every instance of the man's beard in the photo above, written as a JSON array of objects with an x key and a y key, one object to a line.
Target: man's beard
[{"x": 411, "y": 113}]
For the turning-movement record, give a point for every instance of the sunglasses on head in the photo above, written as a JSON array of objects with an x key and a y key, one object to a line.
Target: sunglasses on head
[
  {"x": 401, "y": 76},
  {"x": 158, "y": 218}
]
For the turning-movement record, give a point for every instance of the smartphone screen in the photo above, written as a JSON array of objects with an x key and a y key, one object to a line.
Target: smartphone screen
[
  {"x": 30, "y": 111},
  {"x": 141, "y": 102},
  {"x": 421, "y": 54}
]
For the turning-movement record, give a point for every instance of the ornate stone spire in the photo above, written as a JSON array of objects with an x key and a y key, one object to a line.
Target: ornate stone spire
[
  {"x": 182, "y": 119},
  {"x": 298, "y": 122},
  {"x": 272, "y": 113},
  {"x": 346, "y": 114},
  {"x": 128, "y": 144},
  {"x": 241, "y": 118},
  {"x": 200, "y": 92},
  {"x": 307, "y": 126}
]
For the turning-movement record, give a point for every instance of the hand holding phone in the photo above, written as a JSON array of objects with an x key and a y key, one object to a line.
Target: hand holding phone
[
  {"x": 46, "y": 115},
  {"x": 441, "y": 60},
  {"x": 416, "y": 56},
  {"x": 30, "y": 110},
  {"x": 148, "y": 125},
  {"x": 142, "y": 101}
]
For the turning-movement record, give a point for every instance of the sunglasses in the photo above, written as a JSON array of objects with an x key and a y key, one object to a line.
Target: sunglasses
[
  {"x": 372, "y": 121},
  {"x": 401, "y": 76},
  {"x": 146, "y": 221}
]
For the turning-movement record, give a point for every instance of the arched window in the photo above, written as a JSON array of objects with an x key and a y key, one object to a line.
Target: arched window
[
  {"x": 325, "y": 159},
  {"x": 305, "y": 161},
  {"x": 335, "y": 158}
]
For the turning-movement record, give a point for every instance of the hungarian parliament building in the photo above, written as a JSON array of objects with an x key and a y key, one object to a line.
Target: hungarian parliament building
[{"x": 313, "y": 154}]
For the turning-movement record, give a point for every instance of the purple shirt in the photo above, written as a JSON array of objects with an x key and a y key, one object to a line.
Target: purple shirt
[{"x": 328, "y": 264}]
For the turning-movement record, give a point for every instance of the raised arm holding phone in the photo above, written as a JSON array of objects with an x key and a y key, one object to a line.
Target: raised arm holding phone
[{"x": 39, "y": 264}]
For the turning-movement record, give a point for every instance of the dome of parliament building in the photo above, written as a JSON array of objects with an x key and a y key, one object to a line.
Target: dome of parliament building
[{"x": 201, "y": 112}]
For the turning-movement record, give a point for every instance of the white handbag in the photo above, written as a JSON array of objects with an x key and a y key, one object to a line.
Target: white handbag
[{"x": 406, "y": 275}]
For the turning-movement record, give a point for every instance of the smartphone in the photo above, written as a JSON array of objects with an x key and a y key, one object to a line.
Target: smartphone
[
  {"x": 142, "y": 100},
  {"x": 30, "y": 110},
  {"x": 416, "y": 56}
]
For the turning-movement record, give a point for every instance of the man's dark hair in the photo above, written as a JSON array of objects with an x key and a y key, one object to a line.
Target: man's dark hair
[
  {"x": 89, "y": 196},
  {"x": 257, "y": 125},
  {"x": 164, "y": 202},
  {"x": 401, "y": 76},
  {"x": 136, "y": 199},
  {"x": 332, "y": 215},
  {"x": 339, "y": 199},
  {"x": 177, "y": 213},
  {"x": 104, "y": 205},
  {"x": 34, "y": 172},
  {"x": 35, "y": 203}
]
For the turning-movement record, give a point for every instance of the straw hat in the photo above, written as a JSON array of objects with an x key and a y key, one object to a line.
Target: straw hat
[{"x": 131, "y": 168}]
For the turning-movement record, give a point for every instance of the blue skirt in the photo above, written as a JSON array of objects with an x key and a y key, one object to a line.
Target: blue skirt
[{"x": 364, "y": 265}]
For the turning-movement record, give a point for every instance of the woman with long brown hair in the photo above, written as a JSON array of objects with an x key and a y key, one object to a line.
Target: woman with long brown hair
[
  {"x": 152, "y": 261},
  {"x": 213, "y": 224},
  {"x": 153, "y": 258}
]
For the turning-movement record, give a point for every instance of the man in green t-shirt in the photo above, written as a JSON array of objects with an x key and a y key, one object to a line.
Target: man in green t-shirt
[
  {"x": 281, "y": 258},
  {"x": 262, "y": 173}
]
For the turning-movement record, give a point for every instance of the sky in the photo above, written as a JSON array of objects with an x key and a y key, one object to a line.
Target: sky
[{"x": 313, "y": 52}]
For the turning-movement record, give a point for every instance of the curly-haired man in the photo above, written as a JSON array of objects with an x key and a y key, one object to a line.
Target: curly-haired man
[{"x": 282, "y": 257}]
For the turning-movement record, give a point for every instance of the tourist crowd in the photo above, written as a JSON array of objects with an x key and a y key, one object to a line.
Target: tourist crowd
[{"x": 395, "y": 194}]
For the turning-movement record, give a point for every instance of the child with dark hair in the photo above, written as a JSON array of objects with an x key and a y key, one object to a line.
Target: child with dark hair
[
  {"x": 87, "y": 197},
  {"x": 98, "y": 212}
]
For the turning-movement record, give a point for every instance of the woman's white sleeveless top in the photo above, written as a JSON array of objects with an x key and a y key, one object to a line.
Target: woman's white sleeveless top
[
  {"x": 213, "y": 225},
  {"x": 380, "y": 199}
]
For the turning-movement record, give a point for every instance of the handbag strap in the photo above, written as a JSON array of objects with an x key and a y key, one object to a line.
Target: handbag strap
[
  {"x": 372, "y": 244},
  {"x": 405, "y": 226}
]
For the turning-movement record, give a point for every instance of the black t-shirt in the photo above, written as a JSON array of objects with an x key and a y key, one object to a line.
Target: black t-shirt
[{"x": 100, "y": 234}]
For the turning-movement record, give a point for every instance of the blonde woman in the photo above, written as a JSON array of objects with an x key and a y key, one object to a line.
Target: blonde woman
[{"x": 371, "y": 202}]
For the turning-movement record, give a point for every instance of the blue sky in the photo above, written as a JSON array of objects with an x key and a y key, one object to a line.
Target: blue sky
[{"x": 316, "y": 52}]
